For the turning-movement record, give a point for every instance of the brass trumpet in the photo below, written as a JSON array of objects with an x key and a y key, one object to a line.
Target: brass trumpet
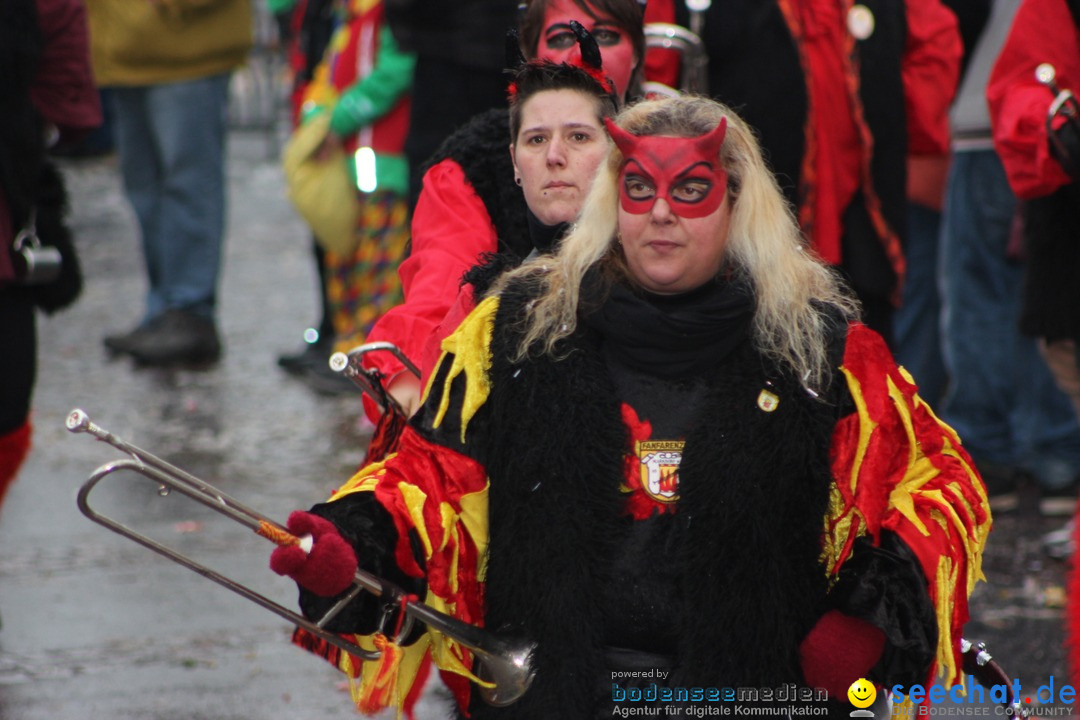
[{"x": 503, "y": 662}]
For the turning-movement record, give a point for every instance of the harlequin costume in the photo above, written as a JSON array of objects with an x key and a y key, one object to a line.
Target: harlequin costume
[
  {"x": 573, "y": 524},
  {"x": 363, "y": 81}
]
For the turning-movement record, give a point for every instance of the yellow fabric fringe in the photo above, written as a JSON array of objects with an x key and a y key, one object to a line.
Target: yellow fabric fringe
[
  {"x": 385, "y": 682},
  {"x": 470, "y": 347}
]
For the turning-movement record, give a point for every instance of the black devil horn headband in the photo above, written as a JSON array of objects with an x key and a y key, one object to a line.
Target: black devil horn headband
[{"x": 590, "y": 51}]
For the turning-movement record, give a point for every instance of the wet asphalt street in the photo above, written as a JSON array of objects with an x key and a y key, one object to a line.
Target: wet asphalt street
[{"x": 95, "y": 626}]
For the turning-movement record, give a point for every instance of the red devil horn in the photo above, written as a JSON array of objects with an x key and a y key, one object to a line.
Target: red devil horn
[
  {"x": 710, "y": 143},
  {"x": 626, "y": 142}
]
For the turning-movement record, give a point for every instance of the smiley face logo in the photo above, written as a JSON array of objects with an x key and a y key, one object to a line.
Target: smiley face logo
[{"x": 862, "y": 693}]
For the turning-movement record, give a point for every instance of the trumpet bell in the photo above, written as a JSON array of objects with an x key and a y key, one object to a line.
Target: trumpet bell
[{"x": 510, "y": 670}]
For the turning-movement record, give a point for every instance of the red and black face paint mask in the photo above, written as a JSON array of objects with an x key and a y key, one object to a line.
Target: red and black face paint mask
[{"x": 686, "y": 172}]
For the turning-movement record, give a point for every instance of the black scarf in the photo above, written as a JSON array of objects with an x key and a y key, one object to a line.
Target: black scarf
[
  {"x": 545, "y": 238},
  {"x": 673, "y": 336}
]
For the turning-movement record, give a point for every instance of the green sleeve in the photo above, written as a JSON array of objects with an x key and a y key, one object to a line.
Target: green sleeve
[
  {"x": 373, "y": 96},
  {"x": 279, "y": 6}
]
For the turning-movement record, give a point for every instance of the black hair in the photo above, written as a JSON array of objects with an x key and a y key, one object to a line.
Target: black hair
[{"x": 540, "y": 75}]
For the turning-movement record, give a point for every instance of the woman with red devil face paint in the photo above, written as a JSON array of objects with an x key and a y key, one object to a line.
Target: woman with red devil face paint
[
  {"x": 470, "y": 205},
  {"x": 671, "y": 457},
  {"x": 840, "y": 94}
]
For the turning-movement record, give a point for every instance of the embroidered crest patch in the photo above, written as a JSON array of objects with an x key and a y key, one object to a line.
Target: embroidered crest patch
[{"x": 659, "y": 466}]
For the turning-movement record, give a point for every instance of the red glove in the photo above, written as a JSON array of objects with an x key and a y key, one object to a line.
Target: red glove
[
  {"x": 839, "y": 650},
  {"x": 329, "y": 567}
]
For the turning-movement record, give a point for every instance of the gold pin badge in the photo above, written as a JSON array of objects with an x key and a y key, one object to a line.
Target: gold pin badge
[{"x": 767, "y": 401}]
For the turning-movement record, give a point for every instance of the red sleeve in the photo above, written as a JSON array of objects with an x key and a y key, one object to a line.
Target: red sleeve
[
  {"x": 931, "y": 71},
  {"x": 1042, "y": 31},
  {"x": 64, "y": 91},
  {"x": 897, "y": 467},
  {"x": 661, "y": 65},
  {"x": 451, "y": 229},
  {"x": 437, "y": 499}
]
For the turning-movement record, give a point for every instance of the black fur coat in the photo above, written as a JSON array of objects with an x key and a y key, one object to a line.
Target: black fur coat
[{"x": 555, "y": 520}]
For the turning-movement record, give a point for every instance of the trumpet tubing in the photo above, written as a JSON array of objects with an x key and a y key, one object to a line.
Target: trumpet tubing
[
  {"x": 370, "y": 381},
  {"x": 504, "y": 663}
]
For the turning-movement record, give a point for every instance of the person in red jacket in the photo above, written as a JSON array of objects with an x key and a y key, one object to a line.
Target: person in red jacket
[
  {"x": 1041, "y": 155},
  {"x": 841, "y": 94},
  {"x": 469, "y": 205}
]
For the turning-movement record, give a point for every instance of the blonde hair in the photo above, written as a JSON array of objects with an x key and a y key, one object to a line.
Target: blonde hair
[{"x": 793, "y": 288}]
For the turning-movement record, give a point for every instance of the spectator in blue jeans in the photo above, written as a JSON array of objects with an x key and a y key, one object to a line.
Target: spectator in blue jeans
[
  {"x": 917, "y": 321},
  {"x": 168, "y": 65},
  {"x": 1001, "y": 398}
]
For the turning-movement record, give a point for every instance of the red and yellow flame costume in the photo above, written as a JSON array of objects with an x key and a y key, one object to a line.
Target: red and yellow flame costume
[{"x": 894, "y": 467}]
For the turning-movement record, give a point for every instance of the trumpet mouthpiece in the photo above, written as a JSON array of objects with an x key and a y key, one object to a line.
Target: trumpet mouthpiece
[
  {"x": 1046, "y": 74},
  {"x": 339, "y": 361},
  {"x": 77, "y": 421}
]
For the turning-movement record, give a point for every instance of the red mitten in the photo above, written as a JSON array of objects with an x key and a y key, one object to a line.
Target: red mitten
[
  {"x": 839, "y": 650},
  {"x": 329, "y": 567}
]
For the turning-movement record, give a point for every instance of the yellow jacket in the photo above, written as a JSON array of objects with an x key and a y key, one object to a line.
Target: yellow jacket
[{"x": 146, "y": 42}]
